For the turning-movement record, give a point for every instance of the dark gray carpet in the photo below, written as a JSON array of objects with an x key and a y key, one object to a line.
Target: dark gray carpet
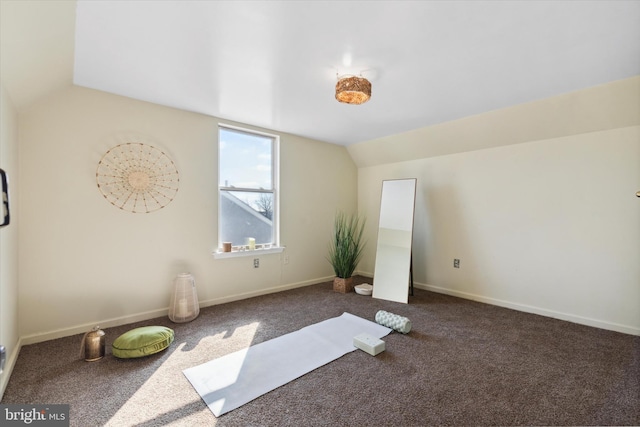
[{"x": 464, "y": 363}]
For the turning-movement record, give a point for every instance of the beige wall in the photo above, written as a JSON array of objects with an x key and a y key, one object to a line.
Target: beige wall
[
  {"x": 84, "y": 262},
  {"x": 549, "y": 226},
  {"x": 9, "y": 334},
  {"x": 608, "y": 106}
]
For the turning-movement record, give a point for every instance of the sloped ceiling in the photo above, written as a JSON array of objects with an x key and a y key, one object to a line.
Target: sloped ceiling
[
  {"x": 274, "y": 64},
  {"x": 36, "y": 48}
]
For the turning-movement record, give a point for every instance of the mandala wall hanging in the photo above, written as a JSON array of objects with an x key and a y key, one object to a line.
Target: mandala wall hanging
[{"x": 137, "y": 177}]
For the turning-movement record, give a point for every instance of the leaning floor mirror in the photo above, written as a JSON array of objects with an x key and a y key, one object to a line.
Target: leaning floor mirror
[{"x": 395, "y": 236}]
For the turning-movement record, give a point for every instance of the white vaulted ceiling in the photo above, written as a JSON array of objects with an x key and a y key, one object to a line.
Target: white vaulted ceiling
[{"x": 273, "y": 63}]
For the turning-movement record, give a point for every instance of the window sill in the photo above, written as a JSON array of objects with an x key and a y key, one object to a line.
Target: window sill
[{"x": 255, "y": 252}]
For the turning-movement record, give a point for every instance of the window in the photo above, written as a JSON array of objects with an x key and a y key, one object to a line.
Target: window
[{"x": 247, "y": 183}]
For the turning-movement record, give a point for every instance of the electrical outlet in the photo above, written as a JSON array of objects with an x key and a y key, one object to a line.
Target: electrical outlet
[
  {"x": 256, "y": 262},
  {"x": 285, "y": 260},
  {"x": 456, "y": 263}
]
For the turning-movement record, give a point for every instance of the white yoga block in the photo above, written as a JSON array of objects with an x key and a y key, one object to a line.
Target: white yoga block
[{"x": 368, "y": 344}]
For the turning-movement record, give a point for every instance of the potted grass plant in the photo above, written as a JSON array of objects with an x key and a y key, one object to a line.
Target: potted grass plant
[{"x": 346, "y": 249}]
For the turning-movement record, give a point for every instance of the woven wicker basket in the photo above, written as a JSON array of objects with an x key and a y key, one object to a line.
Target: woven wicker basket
[{"x": 343, "y": 285}]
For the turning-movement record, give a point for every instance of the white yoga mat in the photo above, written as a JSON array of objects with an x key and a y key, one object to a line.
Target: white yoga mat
[{"x": 231, "y": 381}]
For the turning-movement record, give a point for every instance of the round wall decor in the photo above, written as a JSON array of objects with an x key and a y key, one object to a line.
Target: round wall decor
[{"x": 137, "y": 177}]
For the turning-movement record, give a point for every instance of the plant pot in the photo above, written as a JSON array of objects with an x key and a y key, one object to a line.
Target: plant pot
[{"x": 343, "y": 285}]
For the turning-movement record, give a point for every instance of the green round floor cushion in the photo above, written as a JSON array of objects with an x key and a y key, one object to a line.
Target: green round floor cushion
[{"x": 142, "y": 342}]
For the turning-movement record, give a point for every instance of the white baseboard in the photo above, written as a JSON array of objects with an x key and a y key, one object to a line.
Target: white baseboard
[
  {"x": 81, "y": 329},
  {"x": 534, "y": 310},
  {"x": 364, "y": 274},
  {"x": 138, "y": 317},
  {"x": 245, "y": 295}
]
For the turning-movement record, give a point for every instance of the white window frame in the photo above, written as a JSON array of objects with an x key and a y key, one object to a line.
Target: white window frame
[{"x": 275, "y": 180}]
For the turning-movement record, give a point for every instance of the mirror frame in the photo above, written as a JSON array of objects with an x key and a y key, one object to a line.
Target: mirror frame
[{"x": 392, "y": 273}]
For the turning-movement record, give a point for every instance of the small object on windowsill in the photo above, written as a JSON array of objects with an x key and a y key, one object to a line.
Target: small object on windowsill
[{"x": 242, "y": 251}]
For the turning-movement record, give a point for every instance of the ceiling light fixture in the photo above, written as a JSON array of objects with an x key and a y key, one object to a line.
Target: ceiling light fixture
[{"x": 353, "y": 90}]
